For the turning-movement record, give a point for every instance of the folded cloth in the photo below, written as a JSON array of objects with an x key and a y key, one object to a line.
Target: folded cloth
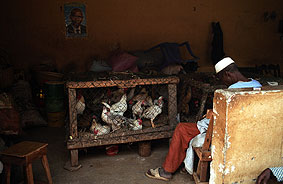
[{"x": 197, "y": 141}]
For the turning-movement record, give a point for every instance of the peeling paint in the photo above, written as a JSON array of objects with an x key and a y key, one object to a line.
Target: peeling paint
[
  {"x": 229, "y": 144},
  {"x": 228, "y": 93},
  {"x": 216, "y": 113},
  {"x": 212, "y": 175},
  {"x": 212, "y": 150},
  {"x": 226, "y": 171},
  {"x": 221, "y": 168},
  {"x": 227, "y": 141},
  {"x": 233, "y": 168}
]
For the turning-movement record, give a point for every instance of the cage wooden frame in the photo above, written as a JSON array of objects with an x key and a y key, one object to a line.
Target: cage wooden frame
[{"x": 78, "y": 140}]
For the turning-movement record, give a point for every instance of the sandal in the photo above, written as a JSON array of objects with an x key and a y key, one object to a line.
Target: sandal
[{"x": 154, "y": 173}]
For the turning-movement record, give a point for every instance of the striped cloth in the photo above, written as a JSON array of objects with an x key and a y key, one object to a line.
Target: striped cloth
[{"x": 277, "y": 172}]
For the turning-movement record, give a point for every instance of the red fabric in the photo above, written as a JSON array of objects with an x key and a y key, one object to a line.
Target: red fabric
[
  {"x": 123, "y": 61},
  {"x": 183, "y": 133}
]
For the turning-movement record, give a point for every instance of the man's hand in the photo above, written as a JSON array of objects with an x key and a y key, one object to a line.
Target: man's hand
[{"x": 264, "y": 177}]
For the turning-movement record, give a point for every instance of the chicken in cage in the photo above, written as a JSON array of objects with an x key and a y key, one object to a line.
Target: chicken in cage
[{"x": 120, "y": 108}]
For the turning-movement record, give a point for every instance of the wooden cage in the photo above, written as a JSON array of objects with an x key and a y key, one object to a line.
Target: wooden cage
[{"x": 102, "y": 89}]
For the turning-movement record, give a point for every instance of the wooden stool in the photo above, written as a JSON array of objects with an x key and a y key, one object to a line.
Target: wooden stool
[{"x": 23, "y": 154}]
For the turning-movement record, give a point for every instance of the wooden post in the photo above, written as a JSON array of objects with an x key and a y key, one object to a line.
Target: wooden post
[
  {"x": 73, "y": 113},
  {"x": 203, "y": 171},
  {"x": 29, "y": 173},
  {"x": 172, "y": 104},
  {"x": 74, "y": 157},
  {"x": 145, "y": 148},
  {"x": 7, "y": 168},
  {"x": 46, "y": 167},
  {"x": 73, "y": 125}
]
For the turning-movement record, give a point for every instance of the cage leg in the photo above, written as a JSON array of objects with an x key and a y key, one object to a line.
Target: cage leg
[{"x": 145, "y": 148}]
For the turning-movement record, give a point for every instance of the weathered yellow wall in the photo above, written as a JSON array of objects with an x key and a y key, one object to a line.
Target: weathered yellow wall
[
  {"x": 247, "y": 134},
  {"x": 34, "y": 29}
]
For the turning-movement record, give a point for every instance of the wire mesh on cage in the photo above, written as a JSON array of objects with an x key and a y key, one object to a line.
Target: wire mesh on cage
[{"x": 110, "y": 109}]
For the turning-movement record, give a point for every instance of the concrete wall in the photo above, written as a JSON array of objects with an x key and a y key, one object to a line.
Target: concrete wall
[
  {"x": 247, "y": 134},
  {"x": 32, "y": 29}
]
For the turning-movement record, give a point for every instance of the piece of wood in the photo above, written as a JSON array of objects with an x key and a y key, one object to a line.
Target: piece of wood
[
  {"x": 208, "y": 136},
  {"x": 203, "y": 155},
  {"x": 90, "y": 142},
  {"x": 203, "y": 170},
  {"x": 73, "y": 113},
  {"x": 7, "y": 168},
  {"x": 123, "y": 83},
  {"x": 204, "y": 152},
  {"x": 74, "y": 157},
  {"x": 172, "y": 104},
  {"x": 29, "y": 174},
  {"x": 197, "y": 180},
  {"x": 145, "y": 148},
  {"x": 24, "y": 149},
  {"x": 25, "y": 153},
  {"x": 45, "y": 164}
]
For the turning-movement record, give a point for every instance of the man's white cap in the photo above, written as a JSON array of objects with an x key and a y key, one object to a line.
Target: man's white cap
[{"x": 223, "y": 63}]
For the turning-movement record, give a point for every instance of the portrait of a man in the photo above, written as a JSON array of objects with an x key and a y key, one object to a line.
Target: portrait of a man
[{"x": 75, "y": 20}]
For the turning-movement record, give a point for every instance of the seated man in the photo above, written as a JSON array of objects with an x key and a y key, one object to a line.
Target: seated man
[
  {"x": 269, "y": 173},
  {"x": 228, "y": 73}
]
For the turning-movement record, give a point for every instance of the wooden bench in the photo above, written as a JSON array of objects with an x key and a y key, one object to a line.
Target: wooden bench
[
  {"x": 204, "y": 154},
  {"x": 24, "y": 153}
]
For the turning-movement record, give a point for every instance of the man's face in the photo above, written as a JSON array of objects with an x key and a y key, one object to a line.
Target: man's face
[
  {"x": 77, "y": 18},
  {"x": 226, "y": 78}
]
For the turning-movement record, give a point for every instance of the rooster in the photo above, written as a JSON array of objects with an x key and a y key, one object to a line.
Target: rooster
[
  {"x": 118, "y": 108},
  {"x": 138, "y": 109},
  {"x": 80, "y": 105},
  {"x": 115, "y": 121},
  {"x": 98, "y": 129},
  {"x": 135, "y": 124},
  {"x": 153, "y": 111}
]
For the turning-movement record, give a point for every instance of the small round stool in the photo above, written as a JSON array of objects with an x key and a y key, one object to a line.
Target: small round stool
[{"x": 24, "y": 153}]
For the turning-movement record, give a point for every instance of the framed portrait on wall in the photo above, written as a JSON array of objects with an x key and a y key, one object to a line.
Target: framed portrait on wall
[{"x": 75, "y": 19}]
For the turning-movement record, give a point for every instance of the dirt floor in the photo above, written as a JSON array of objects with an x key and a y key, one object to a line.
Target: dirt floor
[{"x": 97, "y": 167}]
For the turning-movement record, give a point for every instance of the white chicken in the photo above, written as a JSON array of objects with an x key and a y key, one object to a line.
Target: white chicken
[
  {"x": 115, "y": 121},
  {"x": 118, "y": 108},
  {"x": 80, "y": 105},
  {"x": 135, "y": 124},
  {"x": 138, "y": 109},
  {"x": 153, "y": 111},
  {"x": 98, "y": 129}
]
